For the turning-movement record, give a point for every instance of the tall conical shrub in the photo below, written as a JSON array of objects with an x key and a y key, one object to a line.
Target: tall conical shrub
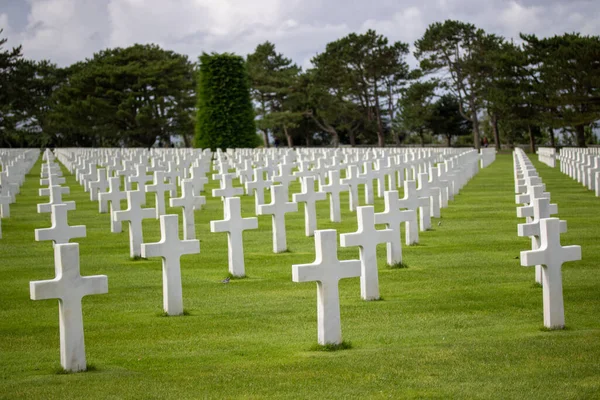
[{"x": 225, "y": 117}]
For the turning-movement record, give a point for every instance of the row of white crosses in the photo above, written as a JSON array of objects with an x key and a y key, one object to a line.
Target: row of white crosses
[
  {"x": 547, "y": 155},
  {"x": 327, "y": 269},
  {"x": 170, "y": 248},
  {"x": 68, "y": 286},
  {"x": 583, "y": 165},
  {"x": 14, "y": 165},
  {"x": 167, "y": 170},
  {"x": 547, "y": 253},
  {"x": 436, "y": 186}
]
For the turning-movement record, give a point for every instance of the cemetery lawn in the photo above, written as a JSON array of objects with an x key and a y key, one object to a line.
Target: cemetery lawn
[{"x": 464, "y": 320}]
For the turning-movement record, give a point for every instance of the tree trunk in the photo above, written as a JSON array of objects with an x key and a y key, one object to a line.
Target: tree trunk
[
  {"x": 335, "y": 140},
  {"x": 422, "y": 138},
  {"x": 396, "y": 138},
  {"x": 449, "y": 140},
  {"x": 552, "y": 142},
  {"x": 186, "y": 141},
  {"x": 290, "y": 140},
  {"x": 531, "y": 140},
  {"x": 475, "y": 119},
  {"x": 265, "y": 139},
  {"x": 495, "y": 130},
  {"x": 580, "y": 135},
  {"x": 308, "y": 138},
  {"x": 352, "y": 138},
  {"x": 380, "y": 137}
]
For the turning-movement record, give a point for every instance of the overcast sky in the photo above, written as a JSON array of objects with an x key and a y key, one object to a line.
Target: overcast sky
[{"x": 65, "y": 31}]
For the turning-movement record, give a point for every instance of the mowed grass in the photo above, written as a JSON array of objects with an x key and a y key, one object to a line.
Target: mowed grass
[{"x": 464, "y": 320}]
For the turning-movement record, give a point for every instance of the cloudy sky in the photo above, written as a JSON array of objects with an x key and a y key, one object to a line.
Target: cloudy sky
[{"x": 66, "y": 31}]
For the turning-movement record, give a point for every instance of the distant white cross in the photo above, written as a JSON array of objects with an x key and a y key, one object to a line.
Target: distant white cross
[
  {"x": 334, "y": 188},
  {"x": 60, "y": 232},
  {"x": 367, "y": 237},
  {"x": 309, "y": 197},
  {"x": 353, "y": 179},
  {"x": 159, "y": 186},
  {"x": 278, "y": 207},
  {"x": 190, "y": 203},
  {"x": 114, "y": 197},
  {"x": 55, "y": 198},
  {"x": 170, "y": 248},
  {"x": 234, "y": 225},
  {"x": 134, "y": 214}
]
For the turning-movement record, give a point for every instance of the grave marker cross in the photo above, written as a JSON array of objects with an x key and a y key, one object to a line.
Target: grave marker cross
[
  {"x": 114, "y": 196},
  {"x": 60, "y": 232},
  {"x": 278, "y": 207},
  {"x": 69, "y": 287},
  {"x": 134, "y": 214},
  {"x": 327, "y": 270},
  {"x": 189, "y": 202},
  {"x": 55, "y": 198},
  {"x": 309, "y": 197},
  {"x": 234, "y": 225},
  {"x": 552, "y": 255},
  {"x": 170, "y": 248},
  {"x": 367, "y": 237},
  {"x": 334, "y": 188}
]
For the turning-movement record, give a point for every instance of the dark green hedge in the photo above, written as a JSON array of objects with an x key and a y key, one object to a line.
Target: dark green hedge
[{"x": 225, "y": 116}]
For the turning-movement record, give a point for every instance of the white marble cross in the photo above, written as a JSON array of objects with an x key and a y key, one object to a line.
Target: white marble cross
[
  {"x": 278, "y": 207},
  {"x": 134, "y": 214},
  {"x": 189, "y": 202},
  {"x": 170, "y": 248},
  {"x": 285, "y": 177},
  {"x": 199, "y": 179},
  {"x": 99, "y": 185},
  {"x": 327, "y": 270},
  {"x": 4, "y": 206},
  {"x": 141, "y": 178},
  {"x": 234, "y": 225},
  {"x": 258, "y": 185},
  {"x": 52, "y": 179},
  {"x": 392, "y": 217},
  {"x": 368, "y": 174},
  {"x": 159, "y": 186},
  {"x": 334, "y": 188},
  {"x": 353, "y": 179},
  {"x": 424, "y": 196},
  {"x": 410, "y": 201},
  {"x": 541, "y": 208},
  {"x": 435, "y": 189},
  {"x": 69, "y": 287},
  {"x": 309, "y": 197},
  {"x": 60, "y": 232},
  {"x": 552, "y": 255},
  {"x": 367, "y": 237},
  {"x": 114, "y": 196},
  {"x": 382, "y": 170},
  {"x": 55, "y": 198},
  {"x": 227, "y": 189}
]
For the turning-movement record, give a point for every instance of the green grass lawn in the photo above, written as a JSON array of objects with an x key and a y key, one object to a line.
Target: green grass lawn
[{"x": 463, "y": 321}]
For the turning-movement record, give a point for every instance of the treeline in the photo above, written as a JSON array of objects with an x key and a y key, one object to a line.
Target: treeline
[{"x": 471, "y": 87}]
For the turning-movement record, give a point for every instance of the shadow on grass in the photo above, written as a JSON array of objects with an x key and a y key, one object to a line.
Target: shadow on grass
[
  {"x": 332, "y": 347},
  {"x": 88, "y": 368},
  {"x": 398, "y": 265},
  {"x": 185, "y": 313},
  {"x": 546, "y": 329}
]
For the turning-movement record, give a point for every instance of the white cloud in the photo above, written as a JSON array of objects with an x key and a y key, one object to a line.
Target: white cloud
[{"x": 66, "y": 31}]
